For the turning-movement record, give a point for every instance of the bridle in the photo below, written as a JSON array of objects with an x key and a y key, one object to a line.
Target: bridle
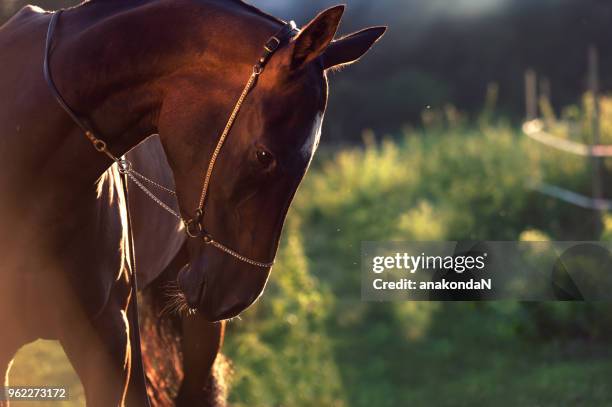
[{"x": 194, "y": 227}]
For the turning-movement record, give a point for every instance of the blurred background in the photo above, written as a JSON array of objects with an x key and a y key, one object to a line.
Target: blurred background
[{"x": 425, "y": 139}]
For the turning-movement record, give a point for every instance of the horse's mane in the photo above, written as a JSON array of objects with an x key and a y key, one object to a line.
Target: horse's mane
[
  {"x": 241, "y": 3},
  {"x": 257, "y": 11}
]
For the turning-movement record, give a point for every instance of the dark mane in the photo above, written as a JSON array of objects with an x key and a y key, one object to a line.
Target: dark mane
[
  {"x": 258, "y": 11},
  {"x": 240, "y": 3}
]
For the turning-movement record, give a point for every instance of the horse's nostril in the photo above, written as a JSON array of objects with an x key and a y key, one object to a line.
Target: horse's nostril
[
  {"x": 190, "y": 286},
  {"x": 202, "y": 293},
  {"x": 181, "y": 276}
]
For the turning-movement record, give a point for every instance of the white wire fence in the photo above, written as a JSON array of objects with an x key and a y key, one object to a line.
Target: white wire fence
[{"x": 534, "y": 129}]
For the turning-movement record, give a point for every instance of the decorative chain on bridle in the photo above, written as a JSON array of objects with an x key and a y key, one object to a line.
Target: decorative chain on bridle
[{"x": 193, "y": 227}]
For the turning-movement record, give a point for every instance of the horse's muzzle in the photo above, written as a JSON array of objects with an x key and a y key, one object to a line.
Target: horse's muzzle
[{"x": 222, "y": 295}]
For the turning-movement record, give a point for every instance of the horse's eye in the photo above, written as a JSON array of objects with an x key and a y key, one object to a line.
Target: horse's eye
[{"x": 265, "y": 158}]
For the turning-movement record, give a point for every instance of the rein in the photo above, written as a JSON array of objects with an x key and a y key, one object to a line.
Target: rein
[{"x": 194, "y": 226}]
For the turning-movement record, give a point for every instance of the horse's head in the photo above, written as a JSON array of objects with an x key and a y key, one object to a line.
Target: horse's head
[{"x": 261, "y": 163}]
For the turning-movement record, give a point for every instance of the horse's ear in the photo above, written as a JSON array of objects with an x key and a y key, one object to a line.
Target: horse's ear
[
  {"x": 350, "y": 48},
  {"x": 316, "y": 36}
]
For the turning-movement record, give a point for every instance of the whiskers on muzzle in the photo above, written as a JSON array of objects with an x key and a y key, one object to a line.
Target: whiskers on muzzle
[{"x": 175, "y": 301}]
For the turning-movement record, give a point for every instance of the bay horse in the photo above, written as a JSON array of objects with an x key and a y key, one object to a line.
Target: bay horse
[{"x": 130, "y": 69}]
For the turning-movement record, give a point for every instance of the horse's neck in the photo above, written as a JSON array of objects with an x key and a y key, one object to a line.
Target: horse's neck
[
  {"x": 117, "y": 62},
  {"x": 114, "y": 64}
]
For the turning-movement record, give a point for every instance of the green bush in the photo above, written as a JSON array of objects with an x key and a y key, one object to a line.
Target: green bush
[{"x": 280, "y": 347}]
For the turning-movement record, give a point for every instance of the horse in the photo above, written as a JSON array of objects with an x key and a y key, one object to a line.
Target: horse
[{"x": 130, "y": 69}]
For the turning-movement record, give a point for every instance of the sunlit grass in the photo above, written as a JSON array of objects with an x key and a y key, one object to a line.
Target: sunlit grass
[{"x": 43, "y": 363}]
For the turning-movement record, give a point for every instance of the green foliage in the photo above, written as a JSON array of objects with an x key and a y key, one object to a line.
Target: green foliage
[
  {"x": 282, "y": 352},
  {"x": 449, "y": 182}
]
